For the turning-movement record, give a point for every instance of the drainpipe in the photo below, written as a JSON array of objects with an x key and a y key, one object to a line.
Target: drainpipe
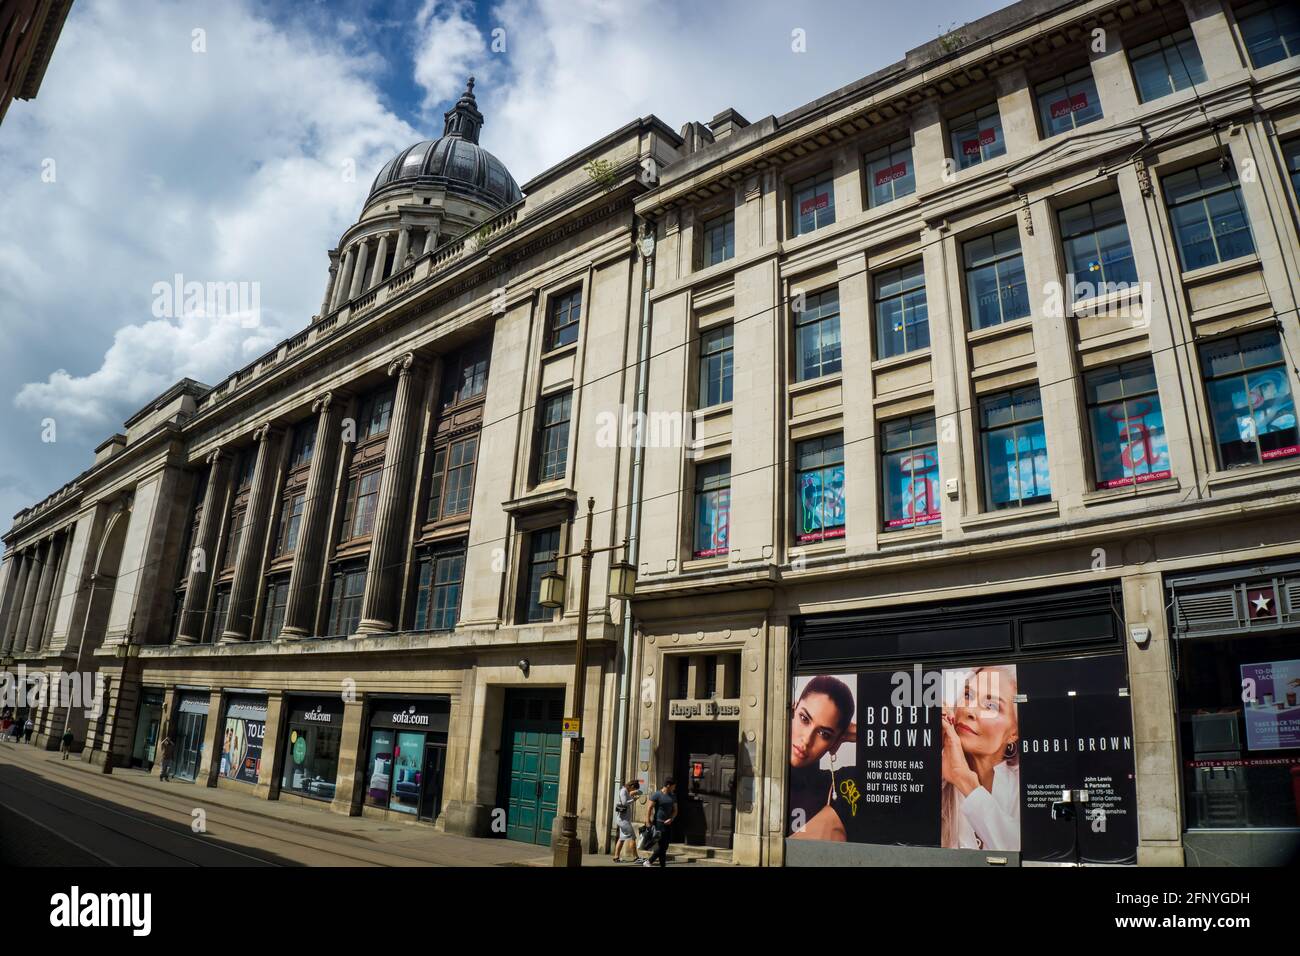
[{"x": 646, "y": 246}]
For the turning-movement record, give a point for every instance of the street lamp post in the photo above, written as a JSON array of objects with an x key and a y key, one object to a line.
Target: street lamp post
[{"x": 567, "y": 850}]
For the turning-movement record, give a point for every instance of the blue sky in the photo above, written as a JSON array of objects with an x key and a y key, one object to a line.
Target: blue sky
[{"x": 241, "y": 152}]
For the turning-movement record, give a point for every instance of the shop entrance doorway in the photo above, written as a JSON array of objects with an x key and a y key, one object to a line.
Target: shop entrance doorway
[
  {"x": 706, "y": 783},
  {"x": 529, "y": 784},
  {"x": 431, "y": 779}
]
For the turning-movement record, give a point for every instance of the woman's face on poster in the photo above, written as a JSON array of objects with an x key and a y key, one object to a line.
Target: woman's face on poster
[
  {"x": 814, "y": 729},
  {"x": 985, "y": 716}
]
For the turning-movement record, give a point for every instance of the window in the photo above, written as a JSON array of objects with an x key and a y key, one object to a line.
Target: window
[
  {"x": 719, "y": 239},
  {"x": 1128, "y": 428},
  {"x": 542, "y": 548},
  {"x": 465, "y": 374},
  {"x": 304, "y": 444},
  {"x": 453, "y": 479},
  {"x": 1270, "y": 30},
  {"x": 345, "y": 601},
  {"x": 1167, "y": 65},
  {"x": 375, "y": 413},
  {"x": 902, "y": 321},
  {"x": 437, "y": 600},
  {"x": 817, "y": 334},
  {"x": 290, "y": 523},
  {"x": 890, "y": 174},
  {"x": 1291, "y": 152},
  {"x": 1097, "y": 251},
  {"x": 247, "y": 463},
  {"x": 1015, "y": 449},
  {"x": 1208, "y": 215},
  {"x": 220, "y": 611},
  {"x": 359, "y": 509},
  {"x": 712, "y": 507},
  {"x": 236, "y": 533},
  {"x": 277, "y": 597},
  {"x": 995, "y": 279},
  {"x": 814, "y": 204},
  {"x": 819, "y": 483},
  {"x": 1251, "y": 405},
  {"x": 553, "y": 438},
  {"x": 977, "y": 136},
  {"x": 1068, "y": 102},
  {"x": 566, "y": 312},
  {"x": 715, "y": 366},
  {"x": 909, "y": 471}
]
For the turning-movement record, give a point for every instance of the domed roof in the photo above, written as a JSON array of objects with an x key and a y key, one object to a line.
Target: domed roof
[{"x": 455, "y": 162}]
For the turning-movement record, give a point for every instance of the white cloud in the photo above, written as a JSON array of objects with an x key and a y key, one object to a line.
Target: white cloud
[{"x": 448, "y": 48}]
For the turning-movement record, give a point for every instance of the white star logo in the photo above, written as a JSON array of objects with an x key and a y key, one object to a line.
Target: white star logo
[{"x": 1261, "y": 603}]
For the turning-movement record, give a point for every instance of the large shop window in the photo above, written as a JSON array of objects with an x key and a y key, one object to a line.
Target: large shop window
[
  {"x": 1251, "y": 405},
  {"x": 819, "y": 485},
  {"x": 1167, "y": 65},
  {"x": 817, "y": 334},
  {"x": 909, "y": 471},
  {"x": 347, "y": 589},
  {"x": 814, "y": 204},
  {"x": 902, "y": 318},
  {"x": 712, "y": 508},
  {"x": 1128, "y": 427},
  {"x": 977, "y": 136},
  {"x": 958, "y": 726},
  {"x": 1068, "y": 102},
  {"x": 890, "y": 174},
  {"x": 543, "y": 546},
  {"x": 311, "y": 747},
  {"x": 408, "y": 739},
  {"x": 241, "y": 738},
  {"x": 437, "y": 596},
  {"x": 1014, "y": 449},
  {"x": 715, "y": 366},
  {"x": 1208, "y": 215},
  {"x": 553, "y": 436},
  {"x": 1271, "y": 31},
  {"x": 995, "y": 279},
  {"x": 1097, "y": 250}
]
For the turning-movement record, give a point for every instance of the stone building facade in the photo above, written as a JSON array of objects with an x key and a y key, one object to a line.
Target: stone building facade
[{"x": 983, "y": 364}]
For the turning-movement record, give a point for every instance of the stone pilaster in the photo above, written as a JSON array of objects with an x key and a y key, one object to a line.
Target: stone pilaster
[
  {"x": 15, "y": 583},
  {"x": 348, "y": 788},
  {"x": 304, "y": 578},
  {"x": 36, "y": 558},
  {"x": 326, "y": 302},
  {"x": 430, "y": 239},
  {"x": 268, "y": 774},
  {"x": 379, "y": 605},
  {"x": 203, "y": 552},
  {"x": 381, "y": 257},
  {"x": 252, "y": 542},
  {"x": 359, "y": 270},
  {"x": 40, "y": 613},
  {"x": 344, "y": 280},
  {"x": 403, "y": 247}
]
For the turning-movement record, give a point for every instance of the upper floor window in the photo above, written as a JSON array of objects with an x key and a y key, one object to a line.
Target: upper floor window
[
  {"x": 890, "y": 174},
  {"x": 1291, "y": 153},
  {"x": 220, "y": 611},
  {"x": 247, "y": 464},
  {"x": 348, "y": 588},
  {"x": 277, "y": 598},
  {"x": 995, "y": 279},
  {"x": 817, "y": 334},
  {"x": 376, "y": 411},
  {"x": 977, "y": 136},
  {"x": 1270, "y": 30},
  {"x": 814, "y": 203},
  {"x": 290, "y": 523},
  {"x": 465, "y": 374},
  {"x": 719, "y": 239},
  {"x": 1251, "y": 405},
  {"x": 909, "y": 471},
  {"x": 1166, "y": 65},
  {"x": 553, "y": 436},
  {"x": 237, "y": 517},
  {"x": 902, "y": 319},
  {"x": 1098, "y": 255},
  {"x": 1209, "y": 216},
  {"x": 359, "y": 508},
  {"x": 1128, "y": 427},
  {"x": 566, "y": 312},
  {"x": 452, "y": 480},
  {"x": 438, "y": 589},
  {"x": 1014, "y": 449},
  {"x": 819, "y": 483},
  {"x": 543, "y": 546},
  {"x": 1068, "y": 102},
  {"x": 304, "y": 444},
  {"x": 712, "y": 507},
  {"x": 715, "y": 366}
]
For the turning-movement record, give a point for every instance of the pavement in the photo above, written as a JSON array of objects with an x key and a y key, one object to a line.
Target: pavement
[{"x": 57, "y": 812}]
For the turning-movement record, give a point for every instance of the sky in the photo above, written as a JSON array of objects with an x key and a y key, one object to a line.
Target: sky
[{"x": 235, "y": 140}]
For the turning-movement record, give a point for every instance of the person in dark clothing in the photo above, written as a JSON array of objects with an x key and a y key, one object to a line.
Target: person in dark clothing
[
  {"x": 66, "y": 747},
  {"x": 662, "y": 812},
  {"x": 28, "y": 728},
  {"x": 167, "y": 747}
]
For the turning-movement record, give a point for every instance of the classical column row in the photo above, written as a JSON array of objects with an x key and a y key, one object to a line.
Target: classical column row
[
  {"x": 29, "y": 594},
  {"x": 349, "y": 276},
  {"x": 203, "y": 550},
  {"x": 238, "y": 625}
]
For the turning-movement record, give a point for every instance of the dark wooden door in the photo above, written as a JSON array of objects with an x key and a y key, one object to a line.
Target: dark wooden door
[{"x": 706, "y": 783}]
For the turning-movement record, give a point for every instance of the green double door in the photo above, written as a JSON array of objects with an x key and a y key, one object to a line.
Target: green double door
[{"x": 531, "y": 763}]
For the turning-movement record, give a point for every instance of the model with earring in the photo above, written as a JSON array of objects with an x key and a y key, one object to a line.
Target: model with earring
[
  {"x": 981, "y": 767},
  {"x": 820, "y": 722}
]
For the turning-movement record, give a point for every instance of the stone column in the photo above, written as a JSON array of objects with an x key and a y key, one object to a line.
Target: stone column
[
  {"x": 430, "y": 239},
  {"x": 1017, "y": 111},
  {"x": 379, "y": 606},
  {"x": 348, "y": 788},
  {"x": 53, "y": 553},
  {"x": 203, "y": 552},
  {"x": 252, "y": 542},
  {"x": 403, "y": 247},
  {"x": 268, "y": 774},
  {"x": 210, "y": 762},
  {"x": 15, "y": 582},
  {"x": 36, "y": 557},
  {"x": 381, "y": 257},
  {"x": 343, "y": 281},
  {"x": 325, "y": 304},
  {"x": 359, "y": 269},
  {"x": 304, "y": 578},
  {"x": 1214, "y": 38}
]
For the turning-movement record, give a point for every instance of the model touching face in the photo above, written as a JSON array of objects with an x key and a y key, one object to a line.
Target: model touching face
[
  {"x": 985, "y": 715},
  {"x": 814, "y": 729}
]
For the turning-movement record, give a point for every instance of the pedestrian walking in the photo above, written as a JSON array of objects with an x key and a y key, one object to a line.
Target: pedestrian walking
[
  {"x": 623, "y": 819},
  {"x": 662, "y": 813},
  {"x": 65, "y": 748},
  {"x": 28, "y": 729},
  {"x": 167, "y": 746}
]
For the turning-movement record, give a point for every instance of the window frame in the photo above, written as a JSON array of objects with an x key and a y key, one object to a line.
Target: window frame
[
  {"x": 913, "y": 446},
  {"x": 1071, "y": 83},
  {"x": 1258, "y": 11},
  {"x": 825, "y": 469},
  {"x": 1161, "y": 47},
  {"x": 429, "y": 610},
  {"x": 723, "y": 356},
  {"x": 810, "y": 185},
  {"x": 378, "y": 401},
  {"x": 727, "y": 223},
  {"x": 354, "y": 495},
  {"x": 442, "y": 471},
  {"x": 341, "y": 601},
  {"x": 895, "y": 154},
  {"x": 277, "y": 597},
  {"x": 995, "y": 261},
  {"x": 901, "y": 274},
  {"x": 961, "y": 128},
  {"x": 818, "y": 322},
  {"x": 712, "y": 489},
  {"x": 1014, "y": 427},
  {"x": 566, "y": 305},
  {"x": 1107, "y": 285},
  {"x": 1249, "y": 373},
  {"x": 534, "y": 567},
  {"x": 292, "y": 507},
  {"x": 1139, "y": 365},
  {"x": 1201, "y": 198},
  {"x": 552, "y": 463}
]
